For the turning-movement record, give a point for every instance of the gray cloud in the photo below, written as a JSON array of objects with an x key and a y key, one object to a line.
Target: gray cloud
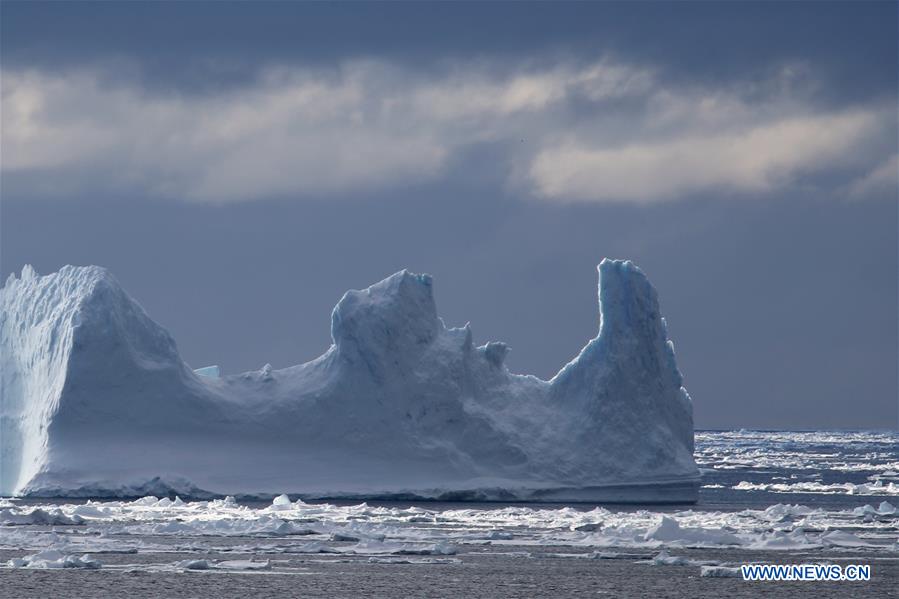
[
  {"x": 883, "y": 180},
  {"x": 566, "y": 131}
]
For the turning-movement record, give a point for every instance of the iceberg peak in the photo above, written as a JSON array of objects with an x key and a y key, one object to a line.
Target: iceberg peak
[
  {"x": 28, "y": 272},
  {"x": 395, "y": 316}
]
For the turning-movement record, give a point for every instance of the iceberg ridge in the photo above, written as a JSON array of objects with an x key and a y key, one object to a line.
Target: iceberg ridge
[{"x": 399, "y": 406}]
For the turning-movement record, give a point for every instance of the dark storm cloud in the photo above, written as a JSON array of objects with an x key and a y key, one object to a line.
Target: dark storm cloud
[
  {"x": 228, "y": 102},
  {"x": 696, "y": 40}
]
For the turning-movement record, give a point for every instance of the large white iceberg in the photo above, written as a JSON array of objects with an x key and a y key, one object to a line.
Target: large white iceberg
[{"x": 97, "y": 401}]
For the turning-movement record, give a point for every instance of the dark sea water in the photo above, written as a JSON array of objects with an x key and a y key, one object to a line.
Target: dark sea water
[{"x": 766, "y": 497}]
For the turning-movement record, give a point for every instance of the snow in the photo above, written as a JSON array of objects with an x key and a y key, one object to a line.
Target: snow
[{"x": 98, "y": 402}]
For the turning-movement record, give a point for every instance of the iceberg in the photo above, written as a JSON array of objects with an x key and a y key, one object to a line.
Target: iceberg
[{"x": 97, "y": 401}]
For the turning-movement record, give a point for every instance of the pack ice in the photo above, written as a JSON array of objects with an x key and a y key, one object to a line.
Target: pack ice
[{"x": 96, "y": 401}]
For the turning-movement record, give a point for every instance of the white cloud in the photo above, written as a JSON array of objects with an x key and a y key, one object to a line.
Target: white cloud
[
  {"x": 467, "y": 93},
  {"x": 757, "y": 158},
  {"x": 300, "y": 134},
  {"x": 594, "y": 132}
]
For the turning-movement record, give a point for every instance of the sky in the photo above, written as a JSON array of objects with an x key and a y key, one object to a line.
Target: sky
[{"x": 238, "y": 166}]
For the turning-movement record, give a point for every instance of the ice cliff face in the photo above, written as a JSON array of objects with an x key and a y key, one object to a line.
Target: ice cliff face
[{"x": 97, "y": 401}]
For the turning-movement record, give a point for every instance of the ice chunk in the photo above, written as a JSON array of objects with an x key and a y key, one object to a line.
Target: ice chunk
[
  {"x": 886, "y": 508},
  {"x": 407, "y": 560},
  {"x": 48, "y": 517},
  {"x": 668, "y": 530},
  {"x": 666, "y": 559},
  {"x": 243, "y": 564},
  {"x": 720, "y": 572},
  {"x": 193, "y": 564},
  {"x": 232, "y": 564},
  {"x": 780, "y": 512},
  {"x": 54, "y": 559},
  {"x": 212, "y": 372},
  {"x": 663, "y": 558},
  {"x": 842, "y": 538},
  {"x": 783, "y": 540},
  {"x": 281, "y": 501}
]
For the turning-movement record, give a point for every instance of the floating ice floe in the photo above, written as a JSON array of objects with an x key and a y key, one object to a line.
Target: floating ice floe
[
  {"x": 39, "y": 516},
  {"x": 663, "y": 558},
  {"x": 884, "y": 509},
  {"x": 407, "y": 560},
  {"x": 364, "y": 530},
  {"x": 875, "y": 488},
  {"x": 779, "y": 540},
  {"x": 842, "y": 538},
  {"x": 669, "y": 531},
  {"x": 799, "y": 455},
  {"x": 206, "y": 564},
  {"x": 720, "y": 572},
  {"x": 53, "y": 559},
  {"x": 593, "y": 555}
]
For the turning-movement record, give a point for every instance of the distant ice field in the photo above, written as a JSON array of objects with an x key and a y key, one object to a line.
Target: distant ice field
[{"x": 818, "y": 468}]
